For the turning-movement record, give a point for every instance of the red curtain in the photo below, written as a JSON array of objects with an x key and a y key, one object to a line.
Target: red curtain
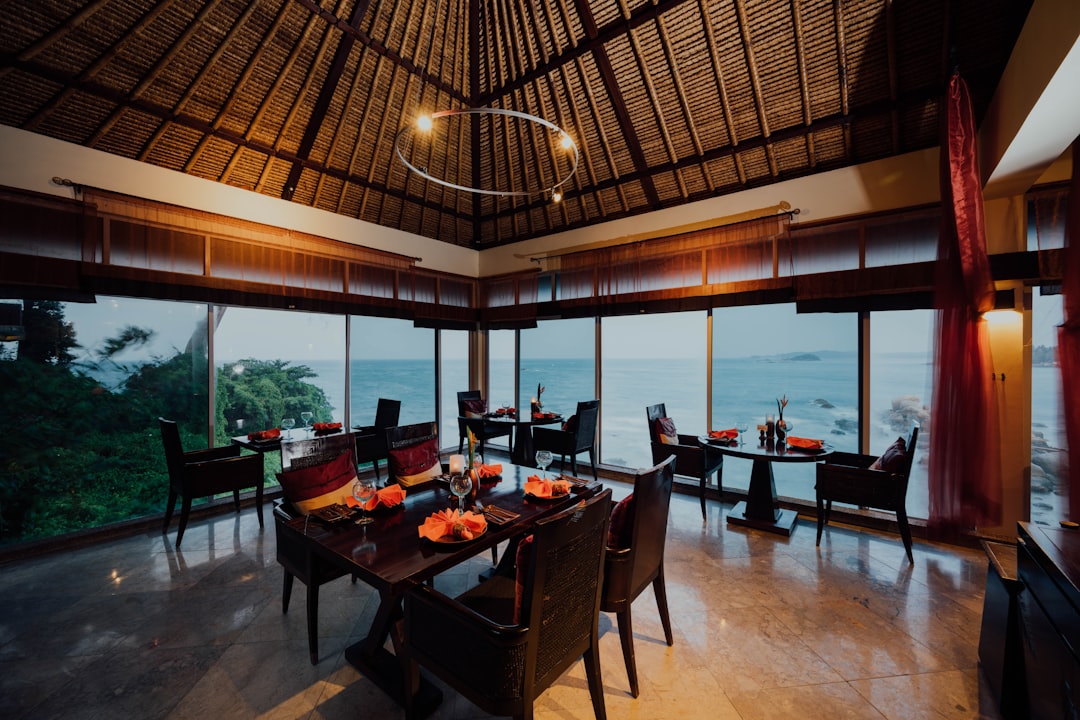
[
  {"x": 964, "y": 472},
  {"x": 1069, "y": 335}
]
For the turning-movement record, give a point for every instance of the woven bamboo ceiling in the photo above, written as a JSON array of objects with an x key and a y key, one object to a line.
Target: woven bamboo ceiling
[{"x": 670, "y": 101}]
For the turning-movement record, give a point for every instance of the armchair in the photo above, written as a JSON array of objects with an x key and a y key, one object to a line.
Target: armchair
[
  {"x": 572, "y": 441},
  {"x": 483, "y": 431},
  {"x": 204, "y": 473},
  {"x": 519, "y": 642},
  {"x": 691, "y": 458},
  {"x": 851, "y": 478},
  {"x": 635, "y": 556},
  {"x": 296, "y": 560},
  {"x": 371, "y": 439}
]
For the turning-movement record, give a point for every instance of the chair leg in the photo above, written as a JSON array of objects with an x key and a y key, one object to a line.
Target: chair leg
[
  {"x": 820, "y": 519},
  {"x": 185, "y": 509},
  {"x": 375, "y": 464},
  {"x": 596, "y": 684},
  {"x": 660, "y": 590},
  {"x": 169, "y": 507},
  {"x": 286, "y": 591},
  {"x": 259, "y": 503},
  {"x": 236, "y": 500},
  {"x": 592, "y": 461},
  {"x": 905, "y": 532},
  {"x": 702, "y": 493},
  {"x": 313, "y": 621},
  {"x": 573, "y": 465},
  {"x": 626, "y": 637}
]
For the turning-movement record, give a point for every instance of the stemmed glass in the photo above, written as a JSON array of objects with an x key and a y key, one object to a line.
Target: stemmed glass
[
  {"x": 461, "y": 485},
  {"x": 543, "y": 459},
  {"x": 287, "y": 424},
  {"x": 306, "y": 417},
  {"x": 742, "y": 427},
  {"x": 363, "y": 489}
]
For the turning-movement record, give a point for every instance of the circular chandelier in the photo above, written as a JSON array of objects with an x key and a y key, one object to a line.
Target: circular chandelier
[{"x": 425, "y": 123}]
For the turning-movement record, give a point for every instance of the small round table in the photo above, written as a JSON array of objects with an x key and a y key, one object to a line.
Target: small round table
[
  {"x": 521, "y": 446},
  {"x": 760, "y": 509}
]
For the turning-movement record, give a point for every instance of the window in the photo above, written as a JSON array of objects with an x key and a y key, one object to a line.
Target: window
[
  {"x": 1049, "y": 447},
  {"x": 645, "y": 360},
  {"x": 454, "y": 377},
  {"x": 393, "y": 359},
  {"x": 901, "y": 381},
  {"x": 558, "y": 355},
  {"x": 502, "y": 366},
  {"x": 765, "y": 352}
]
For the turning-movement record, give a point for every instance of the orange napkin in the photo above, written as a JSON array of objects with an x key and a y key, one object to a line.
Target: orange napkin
[
  {"x": 538, "y": 487},
  {"x": 322, "y": 427},
  {"x": 442, "y": 523},
  {"x": 488, "y": 471},
  {"x": 264, "y": 434},
  {"x": 724, "y": 434},
  {"x": 390, "y": 496},
  {"x": 804, "y": 443}
]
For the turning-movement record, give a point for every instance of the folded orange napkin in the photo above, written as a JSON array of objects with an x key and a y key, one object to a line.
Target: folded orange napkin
[
  {"x": 804, "y": 443},
  {"x": 541, "y": 488},
  {"x": 326, "y": 426},
  {"x": 459, "y": 525},
  {"x": 488, "y": 471},
  {"x": 724, "y": 434},
  {"x": 265, "y": 434},
  {"x": 390, "y": 496}
]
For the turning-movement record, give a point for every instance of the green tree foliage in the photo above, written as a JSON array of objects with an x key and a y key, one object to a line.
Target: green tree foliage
[{"x": 84, "y": 455}]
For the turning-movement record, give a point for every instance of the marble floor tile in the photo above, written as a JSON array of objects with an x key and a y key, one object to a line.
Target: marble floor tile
[{"x": 765, "y": 627}]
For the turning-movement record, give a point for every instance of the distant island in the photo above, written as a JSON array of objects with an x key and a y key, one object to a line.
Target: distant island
[
  {"x": 1043, "y": 356},
  {"x": 804, "y": 357}
]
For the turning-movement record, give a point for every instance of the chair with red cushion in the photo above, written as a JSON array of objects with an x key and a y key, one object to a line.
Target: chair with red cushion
[
  {"x": 205, "y": 473},
  {"x": 505, "y": 641},
  {"x": 868, "y": 482},
  {"x": 692, "y": 458},
  {"x": 572, "y": 441},
  {"x": 413, "y": 453},
  {"x": 296, "y": 559},
  {"x": 635, "y": 555}
]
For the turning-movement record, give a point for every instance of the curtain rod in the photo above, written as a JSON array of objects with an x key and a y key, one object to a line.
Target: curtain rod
[{"x": 782, "y": 207}]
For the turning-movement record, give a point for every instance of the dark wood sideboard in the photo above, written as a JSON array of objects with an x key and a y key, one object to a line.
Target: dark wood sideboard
[{"x": 1048, "y": 564}]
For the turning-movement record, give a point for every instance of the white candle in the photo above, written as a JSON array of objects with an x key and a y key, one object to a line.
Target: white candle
[{"x": 457, "y": 464}]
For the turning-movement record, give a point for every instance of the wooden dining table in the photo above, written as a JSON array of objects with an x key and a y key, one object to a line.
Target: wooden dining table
[
  {"x": 521, "y": 446},
  {"x": 761, "y": 510},
  {"x": 391, "y": 557}
]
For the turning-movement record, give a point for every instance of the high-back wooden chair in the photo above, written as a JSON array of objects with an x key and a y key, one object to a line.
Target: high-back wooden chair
[
  {"x": 692, "y": 459},
  {"x": 483, "y": 430},
  {"x": 502, "y": 647},
  {"x": 848, "y": 478},
  {"x": 371, "y": 439},
  {"x": 635, "y": 555},
  {"x": 573, "y": 441},
  {"x": 295, "y": 559},
  {"x": 205, "y": 473}
]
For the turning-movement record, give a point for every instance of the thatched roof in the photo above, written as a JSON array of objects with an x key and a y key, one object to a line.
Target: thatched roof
[{"x": 670, "y": 101}]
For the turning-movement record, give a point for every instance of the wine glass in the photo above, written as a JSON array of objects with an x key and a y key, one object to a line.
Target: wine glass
[
  {"x": 306, "y": 417},
  {"x": 543, "y": 459},
  {"x": 287, "y": 424},
  {"x": 742, "y": 426},
  {"x": 363, "y": 489},
  {"x": 461, "y": 485}
]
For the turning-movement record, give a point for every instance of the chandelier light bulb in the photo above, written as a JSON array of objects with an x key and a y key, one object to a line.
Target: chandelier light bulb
[
  {"x": 565, "y": 141},
  {"x": 556, "y": 196},
  {"x": 423, "y": 123}
]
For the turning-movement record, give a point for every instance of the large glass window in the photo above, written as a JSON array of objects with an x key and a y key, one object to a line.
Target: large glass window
[
  {"x": 392, "y": 359},
  {"x": 501, "y": 368},
  {"x": 901, "y": 381},
  {"x": 454, "y": 377},
  {"x": 645, "y": 360},
  {"x": 766, "y": 352},
  {"x": 1049, "y": 448},
  {"x": 558, "y": 356},
  {"x": 87, "y": 384}
]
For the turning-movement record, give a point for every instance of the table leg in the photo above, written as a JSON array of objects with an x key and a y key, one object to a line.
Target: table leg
[
  {"x": 522, "y": 453},
  {"x": 760, "y": 510},
  {"x": 385, "y": 668}
]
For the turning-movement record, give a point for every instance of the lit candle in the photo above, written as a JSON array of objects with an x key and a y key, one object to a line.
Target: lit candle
[{"x": 457, "y": 464}]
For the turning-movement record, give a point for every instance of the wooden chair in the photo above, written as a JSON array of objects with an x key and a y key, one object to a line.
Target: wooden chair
[
  {"x": 204, "y": 473},
  {"x": 847, "y": 478},
  {"x": 573, "y": 441},
  {"x": 692, "y": 459},
  {"x": 629, "y": 570},
  {"x": 483, "y": 431},
  {"x": 295, "y": 559},
  {"x": 500, "y": 649},
  {"x": 371, "y": 439}
]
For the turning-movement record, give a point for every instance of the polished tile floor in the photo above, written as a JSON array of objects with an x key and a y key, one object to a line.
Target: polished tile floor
[{"x": 765, "y": 627}]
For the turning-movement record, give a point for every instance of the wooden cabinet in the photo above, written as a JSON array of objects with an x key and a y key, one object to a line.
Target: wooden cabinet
[{"x": 1048, "y": 561}]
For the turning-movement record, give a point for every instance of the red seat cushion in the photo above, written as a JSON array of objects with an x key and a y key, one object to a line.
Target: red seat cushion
[
  {"x": 621, "y": 528},
  {"x": 665, "y": 430},
  {"x": 474, "y": 408},
  {"x": 893, "y": 458},
  {"x": 320, "y": 485},
  {"x": 416, "y": 463}
]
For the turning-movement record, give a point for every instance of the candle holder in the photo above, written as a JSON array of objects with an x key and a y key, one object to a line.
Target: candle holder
[{"x": 770, "y": 426}]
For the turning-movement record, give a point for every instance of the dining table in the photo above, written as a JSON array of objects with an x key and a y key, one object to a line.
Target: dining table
[
  {"x": 521, "y": 445},
  {"x": 390, "y": 555},
  {"x": 272, "y": 444},
  {"x": 761, "y": 509}
]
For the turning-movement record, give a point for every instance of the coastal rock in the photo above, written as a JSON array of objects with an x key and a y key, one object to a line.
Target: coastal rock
[
  {"x": 846, "y": 425},
  {"x": 905, "y": 410},
  {"x": 823, "y": 404}
]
